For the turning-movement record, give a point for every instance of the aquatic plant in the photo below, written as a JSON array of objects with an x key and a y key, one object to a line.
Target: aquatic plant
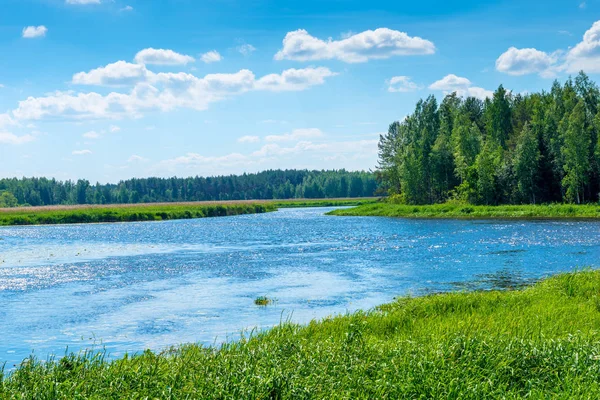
[{"x": 263, "y": 301}]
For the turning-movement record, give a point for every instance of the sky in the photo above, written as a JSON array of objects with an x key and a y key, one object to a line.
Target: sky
[{"x": 106, "y": 90}]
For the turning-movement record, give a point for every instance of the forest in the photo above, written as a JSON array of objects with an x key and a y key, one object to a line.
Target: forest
[
  {"x": 513, "y": 148},
  {"x": 271, "y": 184}
]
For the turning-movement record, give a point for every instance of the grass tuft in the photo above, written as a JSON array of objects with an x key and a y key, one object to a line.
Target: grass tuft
[{"x": 263, "y": 301}]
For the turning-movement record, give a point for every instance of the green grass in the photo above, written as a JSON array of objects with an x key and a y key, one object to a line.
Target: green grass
[
  {"x": 539, "y": 342},
  {"x": 157, "y": 211},
  {"x": 453, "y": 210},
  {"x": 57, "y": 215}
]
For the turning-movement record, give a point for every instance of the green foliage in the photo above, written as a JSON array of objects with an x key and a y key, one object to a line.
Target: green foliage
[
  {"x": 527, "y": 160},
  {"x": 576, "y": 151},
  {"x": 540, "y": 342},
  {"x": 266, "y": 185},
  {"x": 510, "y": 149},
  {"x": 7, "y": 199}
]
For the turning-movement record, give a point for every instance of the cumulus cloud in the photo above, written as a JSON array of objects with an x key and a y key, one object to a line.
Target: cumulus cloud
[
  {"x": 211, "y": 56},
  {"x": 381, "y": 43},
  {"x": 296, "y": 134},
  {"x": 294, "y": 79},
  {"x": 586, "y": 54},
  {"x": 462, "y": 86},
  {"x": 81, "y": 152},
  {"x": 162, "y": 57},
  {"x": 10, "y": 138},
  {"x": 248, "y": 139},
  {"x": 402, "y": 84},
  {"x": 32, "y": 32},
  {"x": 525, "y": 61},
  {"x": 162, "y": 91},
  {"x": 246, "y": 49},
  {"x": 115, "y": 74}
]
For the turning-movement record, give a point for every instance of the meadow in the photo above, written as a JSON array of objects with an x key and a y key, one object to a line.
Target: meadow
[
  {"x": 538, "y": 342},
  {"x": 460, "y": 210},
  {"x": 70, "y": 214}
]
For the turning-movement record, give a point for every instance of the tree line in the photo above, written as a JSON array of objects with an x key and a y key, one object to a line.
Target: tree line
[
  {"x": 271, "y": 184},
  {"x": 509, "y": 149}
]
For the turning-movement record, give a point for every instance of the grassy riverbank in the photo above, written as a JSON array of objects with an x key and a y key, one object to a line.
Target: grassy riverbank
[
  {"x": 57, "y": 215},
  {"x": 540, "y": 342},
  {"x": 157, "y": 211},
  {"x": 452, "y": 210}
]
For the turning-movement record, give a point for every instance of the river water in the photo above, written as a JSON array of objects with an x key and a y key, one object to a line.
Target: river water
[{"x": 132, "y": 286}]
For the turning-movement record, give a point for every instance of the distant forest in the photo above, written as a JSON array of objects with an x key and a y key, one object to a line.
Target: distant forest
[
  {"x": 272, "y": 184},
  {"x": 511, "y": 149}
]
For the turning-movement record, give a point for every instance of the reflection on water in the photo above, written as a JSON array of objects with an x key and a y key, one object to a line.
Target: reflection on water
[{"x": 154, "y": 284}]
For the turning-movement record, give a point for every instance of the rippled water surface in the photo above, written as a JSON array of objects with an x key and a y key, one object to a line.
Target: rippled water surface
[{"x": 128, "y": 287}]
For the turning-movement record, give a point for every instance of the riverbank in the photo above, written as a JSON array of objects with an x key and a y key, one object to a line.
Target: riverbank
[
  {"x": 157, "y": 211},
  {"x": 452, "y": 210},
  {"x": 540, "y": 342}
]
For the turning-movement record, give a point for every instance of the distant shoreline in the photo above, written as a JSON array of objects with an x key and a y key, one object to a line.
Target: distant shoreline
[{"x": 86, "y": 213}]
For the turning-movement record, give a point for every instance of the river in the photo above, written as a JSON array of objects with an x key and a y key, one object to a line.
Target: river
[{"x": 131, "y": 286}]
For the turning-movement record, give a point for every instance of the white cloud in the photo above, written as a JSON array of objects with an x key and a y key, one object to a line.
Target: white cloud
[
  {"x": 114, "y": 128},
  {"x": 246, "y": 49},
  {"x": 192, "y": 160},
  {"x": 10, "y": 138},
  {"x": 81, "y": 152},
  {"x": 115, "y": 74},
  {"x": 402, "y": 84},
  {"x": 6, "y": 120},
  {"x": 162, "y": 57},
  {"x": 296, "y": 134},
  {"x": 161, "y": 91},
  {"x": 32, "y": 32},
  {"x": 126, "y": 8},
  {"x": 462, "y": 86},
  {"x": 525, "y": 61},
  {"x": 352, "y": 154},
  {"x": 586, "y": 54},
  {"x": 83, "y": 2},
  {"x": 136, "y": 158},
  {"x": 294, "y": 79},
  {"x": 91, "y": 135},
  {"x": 211, "y": 56},
  {"x": 249, "y": 139},
  {"x": 582, "y": 5},
  {"x": 381, "y": 43}
]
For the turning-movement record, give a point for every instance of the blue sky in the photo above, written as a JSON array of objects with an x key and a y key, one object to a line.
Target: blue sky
[{"x": 112, "y": 89}]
